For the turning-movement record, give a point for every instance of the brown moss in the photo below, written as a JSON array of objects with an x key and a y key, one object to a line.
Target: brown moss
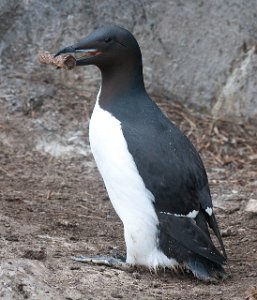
[{"x": 67, "y": 62}]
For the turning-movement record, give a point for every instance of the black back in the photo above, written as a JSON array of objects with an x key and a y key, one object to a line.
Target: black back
[{"x": 166, "y": 160}]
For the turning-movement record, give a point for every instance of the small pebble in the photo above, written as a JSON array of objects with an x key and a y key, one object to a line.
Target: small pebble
[
  {"x": 229, "y": 232},
  {"x": 251, "y": 206},
  {"x": 12, "y": 238},
  {"x": 116, "y": 295}
]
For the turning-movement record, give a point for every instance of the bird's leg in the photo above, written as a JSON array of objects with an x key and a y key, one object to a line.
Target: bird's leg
[{"x": 110, "y": 261}]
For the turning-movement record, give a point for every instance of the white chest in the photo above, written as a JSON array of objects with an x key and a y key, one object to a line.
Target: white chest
[
  {"x": 129, "y": 196},
  {"x": 125, "y": 186}
]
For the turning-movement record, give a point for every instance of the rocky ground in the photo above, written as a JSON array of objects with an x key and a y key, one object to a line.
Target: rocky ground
[{"x": 54, "y": 205}]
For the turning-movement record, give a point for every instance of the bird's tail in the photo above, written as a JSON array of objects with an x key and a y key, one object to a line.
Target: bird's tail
[
  {"x": 205, "y": 269},
  {"x": 182, "y": 239}
]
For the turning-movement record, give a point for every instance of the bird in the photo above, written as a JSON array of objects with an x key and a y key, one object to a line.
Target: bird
[{"x": 154, "y": 176}]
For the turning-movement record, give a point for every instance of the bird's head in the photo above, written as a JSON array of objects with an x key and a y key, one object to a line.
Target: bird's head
[{"x": 106, "y": 47}]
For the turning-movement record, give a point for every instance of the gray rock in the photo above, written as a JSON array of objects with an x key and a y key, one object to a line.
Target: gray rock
[
  {"x": 251, "y": 206},
  {"x": 201, "y": 52},
  {"x": 238, "y": 96}
]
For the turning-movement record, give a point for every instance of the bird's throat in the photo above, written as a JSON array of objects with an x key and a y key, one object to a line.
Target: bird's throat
[{"x": 120, "y": 82}]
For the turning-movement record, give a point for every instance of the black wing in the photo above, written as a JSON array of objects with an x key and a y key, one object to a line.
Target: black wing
[
  {"x": 170, "y": 166},
  {"x": 168, "y": 163}
]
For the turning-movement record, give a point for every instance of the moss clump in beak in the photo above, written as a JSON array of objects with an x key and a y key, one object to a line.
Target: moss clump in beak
[{"x": 67, "y": 62}]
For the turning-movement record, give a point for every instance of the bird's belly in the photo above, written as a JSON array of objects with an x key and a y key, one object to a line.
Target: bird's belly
[{"x": 129, "y": 196}]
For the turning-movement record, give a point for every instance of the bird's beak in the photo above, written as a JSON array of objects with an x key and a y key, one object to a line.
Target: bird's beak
[
  {"x": 82, "y": 55},
  {"x": 69, "y": 49}
]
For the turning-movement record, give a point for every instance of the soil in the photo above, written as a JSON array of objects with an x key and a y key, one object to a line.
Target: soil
[{"x": 54, "y": 205}]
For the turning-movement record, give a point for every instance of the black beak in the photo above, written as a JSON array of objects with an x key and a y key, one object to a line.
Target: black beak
[
  {"x": 70, "y": 49},
  {"x": 84, "y": 54}
]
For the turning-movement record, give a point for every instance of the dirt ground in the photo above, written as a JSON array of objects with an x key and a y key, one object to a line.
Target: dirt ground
[{"x": 54, "y": 205}]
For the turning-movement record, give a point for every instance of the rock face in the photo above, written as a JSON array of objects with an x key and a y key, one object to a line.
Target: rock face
[
  {"x": 239, "y": 95},
  {"x": 200, "y": 52}
]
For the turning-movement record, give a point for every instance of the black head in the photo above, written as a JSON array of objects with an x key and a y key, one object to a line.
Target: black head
[{"x": 106, "y": 47}]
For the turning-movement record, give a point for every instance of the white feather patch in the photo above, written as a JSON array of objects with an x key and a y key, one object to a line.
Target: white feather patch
[
  {"x": 129, "y": 196},
  {"x": 209, "y": 211},
  {"x": 192, "y": 214}
]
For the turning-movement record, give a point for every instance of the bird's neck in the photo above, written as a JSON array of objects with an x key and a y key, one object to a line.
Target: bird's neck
[{"x": 121, "y": 81}]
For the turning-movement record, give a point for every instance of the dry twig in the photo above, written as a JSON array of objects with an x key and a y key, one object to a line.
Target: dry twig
[{"x": 67, "y": 62}]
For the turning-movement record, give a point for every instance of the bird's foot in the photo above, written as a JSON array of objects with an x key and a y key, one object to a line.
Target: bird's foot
[{"x": 103, "y": 260}]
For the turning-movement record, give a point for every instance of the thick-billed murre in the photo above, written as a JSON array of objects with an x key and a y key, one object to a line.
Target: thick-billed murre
[{"x": 154, "y": 176}]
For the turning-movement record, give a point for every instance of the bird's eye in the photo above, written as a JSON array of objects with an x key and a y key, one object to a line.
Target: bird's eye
[{"x": 107, "y": 40}]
